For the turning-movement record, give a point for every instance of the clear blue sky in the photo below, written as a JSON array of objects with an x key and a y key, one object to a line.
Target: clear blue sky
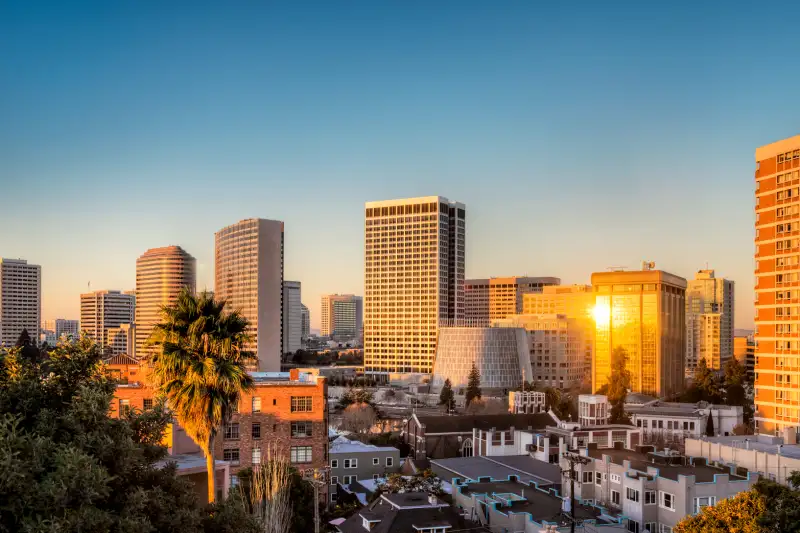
[{"x": 579, "y": 136}]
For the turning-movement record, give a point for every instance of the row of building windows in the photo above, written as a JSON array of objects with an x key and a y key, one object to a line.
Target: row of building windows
[{"x": 297, "y": 454}]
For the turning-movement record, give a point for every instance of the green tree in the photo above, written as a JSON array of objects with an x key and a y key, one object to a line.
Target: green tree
[
  {"x": 447, "y": 397},
  {"x": 473, "y": 385},
  {"x": 356, "y": 396},
  {"x": 710, "y": 425},
  {"x": 735, "y": 372},
  {"x": 68, "y": 467},
  {"x": 199, "y": 365},
  {"x": 706, "y": 384},
  {"x": 619, "y": 381}
]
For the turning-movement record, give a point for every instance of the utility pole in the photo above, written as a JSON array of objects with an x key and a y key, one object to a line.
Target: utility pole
[
  {"x": 318, "y": 477},
  {"x": 574, "y": 459}
]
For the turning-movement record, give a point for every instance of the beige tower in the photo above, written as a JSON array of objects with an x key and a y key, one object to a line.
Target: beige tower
[
  {"x": 20, "y": 300},
  {"x": 102, "y": 311},
  {"x": 248, "y": 274},
  {"x": 160, "y": 274},
  {"x": 413, "y": 280}
]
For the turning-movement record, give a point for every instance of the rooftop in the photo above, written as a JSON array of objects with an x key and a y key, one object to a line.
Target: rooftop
[
  {"x": 542, "y": 505},
  {"x": 465, "y": 423},
  {"x": 343, "y": 445},
  {"x": 761, "y": 443},
  {"x": 525, "y": 467},
  {"x": 401, "y": 513},
  {"x": 669, "y": 466}
]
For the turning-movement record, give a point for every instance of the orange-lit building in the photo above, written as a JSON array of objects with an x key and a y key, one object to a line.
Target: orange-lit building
[
  {"x": 285, "y": 413},
  {"x": 498, "y": 298},
  {"x": 777, "y": 286},
  {"x": 643, "y": 312}
]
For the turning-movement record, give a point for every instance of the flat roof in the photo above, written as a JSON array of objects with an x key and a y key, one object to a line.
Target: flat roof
[
  {"x": 525, "y": 467},
  {"x": 641, "y": 461},
  {"x": 738, "y": 441},
  {"x": 344, "y": 445},
  {"x": 541, "y": 505}
]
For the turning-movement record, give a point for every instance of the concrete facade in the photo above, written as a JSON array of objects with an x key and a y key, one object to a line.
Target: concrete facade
[
  {"x": 497, "y": 298},
  {"x": 292, "y": 317},
  {"x": 248, "y": 274},
  {"x": 20, "y": 300},
  {"x": 102, "y": 315},
  {"x": 709, "y": 320}
]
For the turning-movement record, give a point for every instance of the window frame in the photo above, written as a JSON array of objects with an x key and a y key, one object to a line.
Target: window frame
[
  {"x": 228, "y": 431},
  {"x": 302, "y": 404},
  {"x": 653, "y": 496},
  {"x": 295, "y": 454},
  {"x": 630, "y": 491},
  {"x": 253, "y": 401},
  {"x": 334, "y": 463},
  {"x": 389, "y": 461},
  {"x": 661, "y": 500},
  {"x": 295, "y": 432}
]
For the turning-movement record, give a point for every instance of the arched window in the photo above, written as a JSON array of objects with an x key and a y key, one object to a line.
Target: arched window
[{"x": 466, "y": 448}]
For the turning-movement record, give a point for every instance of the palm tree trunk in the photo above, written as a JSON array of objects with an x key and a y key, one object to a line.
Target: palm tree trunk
[{"x": 210, "y": 467}]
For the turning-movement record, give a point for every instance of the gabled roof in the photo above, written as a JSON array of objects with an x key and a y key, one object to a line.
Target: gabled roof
[
  {"x": 122, "y": 359},
  {"x": 501, "y": 422},
  {"x": 402, "y": 520}
]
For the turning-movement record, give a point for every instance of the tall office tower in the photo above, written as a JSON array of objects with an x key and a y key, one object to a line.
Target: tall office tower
[
  {"x": 572, "y": 301},
  {"x": 777, "y": 269},
  {"x": 709, "y": 321},
  {"x": 161, "y": 273},
  {"x": 292, "y": 317},
  {"x": 20, "y": 300},
  {"x": 66, "y": 328},
  {"x": 643, "y": 313},
  {"x": 102, "y": 311},
  {"x": 305, "y": 322},
  {"x": 249, "y": 276},
  {"x": 414, "y": 280},
  {"x": 496, "y": 298},
  {"x": 342, "y": 316},
  {"x": 744, "y": 350}
]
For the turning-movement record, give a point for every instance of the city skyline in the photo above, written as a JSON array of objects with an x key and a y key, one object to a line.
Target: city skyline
[{"x": 630, "y": 150}]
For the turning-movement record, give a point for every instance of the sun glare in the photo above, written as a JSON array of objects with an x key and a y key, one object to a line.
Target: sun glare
[{"x": 601, "y": 314}]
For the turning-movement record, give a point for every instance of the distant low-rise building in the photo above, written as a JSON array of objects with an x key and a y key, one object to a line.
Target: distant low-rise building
[
  {"x": 744, "y": 350},
  {"x": 681, "y": 420},
  {"x": 352, "y": 461},
  {"x": 404, "y": 513},
  {"x": 526, "y": 402}
]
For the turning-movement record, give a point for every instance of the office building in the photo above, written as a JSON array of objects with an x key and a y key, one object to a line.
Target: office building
[
  {"x": 744, "y": 350},
  {"x": 20, "y": 300},
  {"x": 249, "y": 276},
  {"x": 709, "y": 321},
  {"x": 777, "y": 287},
  {"x": 342, "y": 316},
  {"x": 292, "y": 317},
  {"x": 104, "y": 311},
  {"x": 161, "y": 273},
  {"x": 497, "y": 298},
  {"x": 305, "y": 322},
  {"x": 557, "y": 346},
  {"x": 121, "y": 339},
  {"x": 641, "y": 314},
  {"x": 55, "y": 329},
  {"x": 500, "y": 354},
  {"x": 414, "y": 281}
]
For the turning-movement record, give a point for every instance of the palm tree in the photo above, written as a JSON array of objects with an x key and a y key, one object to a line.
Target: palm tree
[{"x": 199, "y": 365}]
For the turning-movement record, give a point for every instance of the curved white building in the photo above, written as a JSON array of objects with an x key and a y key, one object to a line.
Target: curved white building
[
  {"x": 500, "y": 354},
  {"x": 160, "y": 274}
]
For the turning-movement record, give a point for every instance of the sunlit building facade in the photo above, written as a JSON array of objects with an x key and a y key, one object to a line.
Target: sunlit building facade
[
  {"x": 161, "y": 273},
  {"x": 744, "y": 350},
  {"x": 777, "y": 287},
  {"x": 104, "y": 311},
  {"x": 413, "y": 280},
  {"x": 557, "y": 347},
  {"x": 642, "y": 312},
  {"x": 248, "y": 274},
  {"x": 709, "y": 320},
  {"x": 342, "y": 316},
  {"x": 497, "y": 298}
]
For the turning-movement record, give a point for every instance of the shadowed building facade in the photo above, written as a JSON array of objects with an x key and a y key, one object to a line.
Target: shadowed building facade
[{"x": 642, "y": 312}]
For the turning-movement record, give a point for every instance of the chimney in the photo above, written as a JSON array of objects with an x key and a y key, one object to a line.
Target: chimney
[{"x": 746, "y": 444}]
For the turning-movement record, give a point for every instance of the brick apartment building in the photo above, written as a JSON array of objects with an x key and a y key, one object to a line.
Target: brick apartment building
[{"x": 285, "y": 413}]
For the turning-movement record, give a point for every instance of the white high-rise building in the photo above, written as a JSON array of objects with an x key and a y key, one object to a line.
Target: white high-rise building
[
  {"x": 342, "y": 316},
  {"x": 104, "y": 311},
  {"x": 249, "y": 276},
  {"x": 709, "y": 321},
  {"x": 161, "y": 273},
  {"x": 413, "y": 280},
  {"x": 20, "y": 300},
  {"x": 292, "y": 317},
  {"x": 55, "y": 329},
  {"x": 305, "y": 317}
]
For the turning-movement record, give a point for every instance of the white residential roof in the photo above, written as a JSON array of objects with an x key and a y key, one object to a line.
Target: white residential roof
[
  {"x": 738, "y": 441},
  {"x": 343, "y": 445}
]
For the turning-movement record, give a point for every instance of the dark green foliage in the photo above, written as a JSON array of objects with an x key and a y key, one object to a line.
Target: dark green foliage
[
  {"x": 783, "y": 506},
  {"x": 710, "y": 425},
  {"x": 447, "y": 397},
  {"x": 356, "y": 396},
  {"x": 24, "y": 339},
  {"x": 68, "y": 467},
  {"x": 619, "y": 381},
  {"x": 391, "y": 439},
  {"x": 473, "y": 385}
]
